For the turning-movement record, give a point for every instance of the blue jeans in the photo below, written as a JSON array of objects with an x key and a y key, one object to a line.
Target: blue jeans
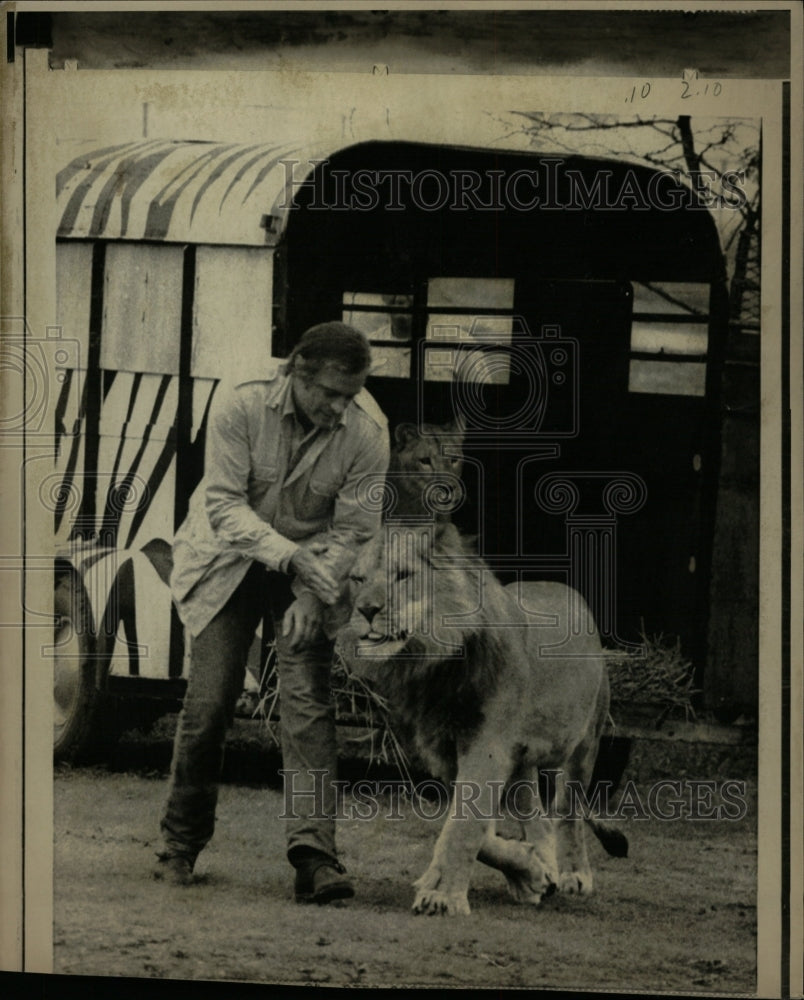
[{"x": 217, "y": 671}]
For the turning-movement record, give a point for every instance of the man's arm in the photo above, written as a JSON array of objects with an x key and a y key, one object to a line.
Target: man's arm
[
  {"x": 352, "y": 527},
  {"x": 227, "y": 468},
  {"x": 352, "y": 524}
]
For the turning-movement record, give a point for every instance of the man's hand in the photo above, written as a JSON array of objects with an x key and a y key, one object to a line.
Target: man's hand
[
  {"x": 315, "y": 574},
  {"x": 303, "y": 620}
]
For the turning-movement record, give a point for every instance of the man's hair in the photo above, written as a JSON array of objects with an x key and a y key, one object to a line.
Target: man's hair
[{"x": 342, "y": 346}]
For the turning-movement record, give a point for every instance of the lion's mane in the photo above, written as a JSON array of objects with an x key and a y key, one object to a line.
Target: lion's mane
[{"x": 437, "y": 697}]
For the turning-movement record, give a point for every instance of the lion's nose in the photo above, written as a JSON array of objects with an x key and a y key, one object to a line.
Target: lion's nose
[{"x": 368, "y": 611}]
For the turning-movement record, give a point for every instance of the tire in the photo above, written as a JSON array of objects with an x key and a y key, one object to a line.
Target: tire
[{"x": 84, "y": 718}]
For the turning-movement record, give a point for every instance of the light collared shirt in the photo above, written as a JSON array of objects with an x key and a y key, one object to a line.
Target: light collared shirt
[{"x": 269, "y": 486}]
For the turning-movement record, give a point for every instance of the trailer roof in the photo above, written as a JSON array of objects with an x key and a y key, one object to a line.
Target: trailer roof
[
  {"x": 220, "y": 193},
  {"x": 199, "y": 192}
]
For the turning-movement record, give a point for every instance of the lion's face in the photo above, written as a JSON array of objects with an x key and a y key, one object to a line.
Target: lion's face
[
  {"x": 389, "y": 592},
  {"x": 404, "y": 592},
  {"x": 425, "y": 471},
  {"x": 419, "y": 452}
]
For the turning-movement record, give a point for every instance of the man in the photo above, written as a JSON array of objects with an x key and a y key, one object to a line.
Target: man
[{"x": 275, "y": 523}]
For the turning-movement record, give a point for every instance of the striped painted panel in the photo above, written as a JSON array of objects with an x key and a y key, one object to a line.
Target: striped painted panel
[
  {"x": 142, "y": 640},
  {"x": 70, "y": 455},
  {"x": 73, "y": 296},
  {"x": 137, "y": 451},
  {"x": 131, "y": 612},
  {"x": 200, "y": 192},
  {"x": 202, "y": 397},
  {"x": 128, "y": 498},
  {"x": 232, "y": 310}
]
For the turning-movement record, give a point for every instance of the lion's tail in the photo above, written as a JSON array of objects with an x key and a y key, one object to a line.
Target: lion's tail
[{"x": 613, "y": 840}]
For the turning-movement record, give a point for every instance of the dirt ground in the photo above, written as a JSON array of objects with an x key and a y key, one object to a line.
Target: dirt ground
[{"x": 678, "y": 914}]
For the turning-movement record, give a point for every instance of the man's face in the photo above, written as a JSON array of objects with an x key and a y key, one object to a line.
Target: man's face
[{"x": 326, "y": 395}]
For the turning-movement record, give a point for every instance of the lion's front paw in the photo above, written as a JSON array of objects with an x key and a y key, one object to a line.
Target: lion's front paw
[
  {"x": 429, "y": 879},
  {"x": 575, "y": 882},
  {"x": 435, "y": 903}
]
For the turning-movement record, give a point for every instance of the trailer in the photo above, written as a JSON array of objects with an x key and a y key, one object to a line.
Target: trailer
[{"x": 574, "y": 309}]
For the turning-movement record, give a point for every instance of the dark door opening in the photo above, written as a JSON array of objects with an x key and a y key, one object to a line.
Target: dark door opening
[{"x": 576, "y": 344}]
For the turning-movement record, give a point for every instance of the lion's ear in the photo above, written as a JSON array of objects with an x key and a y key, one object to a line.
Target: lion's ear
[{"x": 405, "y": 433}]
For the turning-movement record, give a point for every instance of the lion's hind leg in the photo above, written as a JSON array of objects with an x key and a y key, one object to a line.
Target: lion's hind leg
[
  {"x": 538, "y": 828},
  {"x": 575, "y": 872},
  {"x": 529, "y": 881}
]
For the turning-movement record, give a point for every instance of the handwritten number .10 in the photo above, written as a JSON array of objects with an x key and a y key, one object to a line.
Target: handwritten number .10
[{"x": 644, "y": 90}]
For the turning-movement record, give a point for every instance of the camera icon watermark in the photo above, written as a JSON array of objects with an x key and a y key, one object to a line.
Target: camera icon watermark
[
  {"x": 506, "y": 383},
  {"x": 36, "y": 373}
]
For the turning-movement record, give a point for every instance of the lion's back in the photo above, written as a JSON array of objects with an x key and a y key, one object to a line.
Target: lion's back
[
  {"x": 565, "y": 692},
  {"x": 556, "y": 612}
]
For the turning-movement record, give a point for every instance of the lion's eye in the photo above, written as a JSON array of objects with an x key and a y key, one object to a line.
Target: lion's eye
[
  {"x": 357, "y": 580},
  {"x": 426, "y": 462}
]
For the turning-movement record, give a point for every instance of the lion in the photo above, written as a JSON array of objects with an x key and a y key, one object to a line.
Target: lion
[
  {"x": 424, "y": 474},
  {"x": 493, "y": 684}
]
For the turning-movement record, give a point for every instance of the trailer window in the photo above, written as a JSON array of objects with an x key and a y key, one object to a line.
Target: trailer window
[
  {"x": 467, "y": 313},
  {"x": 669, "y": 339},
  {"x": 459, "y": 320},
  {"x": 387, "y": 321}
]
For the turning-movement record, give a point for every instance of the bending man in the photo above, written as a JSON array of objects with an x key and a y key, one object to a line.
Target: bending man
[{"x": 274, "y": 524}]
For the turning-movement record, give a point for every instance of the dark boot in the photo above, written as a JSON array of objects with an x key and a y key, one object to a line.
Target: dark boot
[
  {"x": 320, "y": 878},
  {"x": 175, "y": 868}
]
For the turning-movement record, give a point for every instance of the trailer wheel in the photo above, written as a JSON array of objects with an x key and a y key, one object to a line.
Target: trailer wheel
[{"x": 83, "y": 716}]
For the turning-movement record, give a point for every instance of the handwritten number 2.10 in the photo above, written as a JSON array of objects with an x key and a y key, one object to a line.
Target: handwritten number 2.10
[{"x": 688, "y": 92}]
